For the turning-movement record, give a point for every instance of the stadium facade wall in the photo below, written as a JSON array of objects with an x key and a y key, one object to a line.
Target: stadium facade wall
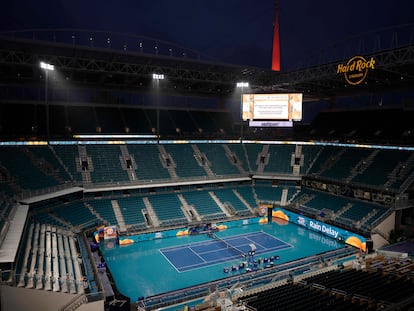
[{"x": 384, "y": 227}]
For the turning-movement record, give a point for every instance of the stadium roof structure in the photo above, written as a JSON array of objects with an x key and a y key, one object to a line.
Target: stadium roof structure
[{"x": 111, "y": 63}]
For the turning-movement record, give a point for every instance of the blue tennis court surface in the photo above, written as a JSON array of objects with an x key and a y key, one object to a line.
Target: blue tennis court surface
[
  {"x": 202, "y": 254},
  {"x": 141, "y": 269}
]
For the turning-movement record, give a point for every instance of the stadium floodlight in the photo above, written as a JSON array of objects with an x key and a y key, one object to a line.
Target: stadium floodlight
[
  {"x": 47, "y": 66},
  {"x": 242, "y": 84},
  {"x": 157, "y": 76}
]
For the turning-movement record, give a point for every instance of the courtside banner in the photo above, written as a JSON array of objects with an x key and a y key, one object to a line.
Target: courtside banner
[{"x": 319, "y": 226}]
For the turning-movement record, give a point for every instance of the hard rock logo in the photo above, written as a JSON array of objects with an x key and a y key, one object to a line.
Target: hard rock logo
[{"x": 356, "y": 69}]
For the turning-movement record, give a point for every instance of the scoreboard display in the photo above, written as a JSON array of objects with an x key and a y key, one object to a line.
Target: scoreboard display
[{"x": 272, "y": 107}]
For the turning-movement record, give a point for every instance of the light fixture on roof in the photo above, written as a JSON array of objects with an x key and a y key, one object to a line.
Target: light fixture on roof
[
  {"x": 47, "y": 66},
  {"x": 157, "y": 76},
  {"x": 242, "y": 84}
]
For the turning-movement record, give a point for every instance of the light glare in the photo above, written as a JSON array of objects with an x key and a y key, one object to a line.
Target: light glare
[
  {"x": 242, "y": 84},
  {"x": 157, "y": 76},
  {"x": 47, "y": 66}
]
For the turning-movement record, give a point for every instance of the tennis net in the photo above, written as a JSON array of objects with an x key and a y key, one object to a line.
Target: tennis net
[{"x": 227, "y": 245}]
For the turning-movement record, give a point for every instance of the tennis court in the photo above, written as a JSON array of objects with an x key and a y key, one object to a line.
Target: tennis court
[
  {"x": 152, "y": 267},
  {"x": 196, "y": 255}
]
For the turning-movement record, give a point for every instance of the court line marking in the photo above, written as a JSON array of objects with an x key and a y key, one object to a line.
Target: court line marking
[{"x": 222, "y": 259}]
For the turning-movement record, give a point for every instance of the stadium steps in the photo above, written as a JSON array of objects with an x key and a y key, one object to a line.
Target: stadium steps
[
  {"x": 399, "y": 174},
  {"x": 33, "y": 261},
  {"x": 133, "y": 212},
  {"x": 24, "y": 271},
  {"x": 168, "y": 209},
  {"x": 243, "y": 200},
  {"x": 313, "y": 157},
  {"x": 94, "y": 212},
  {"x": 43, "y": 165},
  {"x": 232, "y": 202},
  {"x": 362, "y": 165},
  {"x": 78, "y": 273},
  {"x": 62, "y": 221},
  {"x": 343, "y": 210},
  {"x": 188, "y": 210},
  {"x": 119, "y": 216},
  {"x": 331, "y": 161},
  {"x": 203, "y": 163},
  {"x": 262, "y": 159},
  {"x": 124, "y": 164},
  {"x": 205, "y": 205},
  {"x": 65, "y": 168},
  {"x": 370, "y": 215},
  {"x": 218, "y": 160},
  {"x": 41, "y": 257},
  {"x": 297, "y": 165},
  {"x": 283, "y": 198},
  {"x": 151, "y": 213},
  {"x": 85, "y": 171},
  {"x": 293, "y": 197},
  {"x": 62, "y": 263},
  {"x": 167, "y": 161},
  {"x": 240, "y": 153},
  {"x": 226, "y": 210},
  {"x": 70, "y": 271},
  {"x": 48, "y": 258},
  {"x": 233, "y": 158}
]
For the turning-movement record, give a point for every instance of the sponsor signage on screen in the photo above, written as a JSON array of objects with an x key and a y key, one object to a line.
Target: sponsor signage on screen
[{"x": 280, "y": 107}]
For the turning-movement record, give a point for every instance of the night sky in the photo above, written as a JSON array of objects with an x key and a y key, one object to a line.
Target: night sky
[{"x": 230, "y": 31}]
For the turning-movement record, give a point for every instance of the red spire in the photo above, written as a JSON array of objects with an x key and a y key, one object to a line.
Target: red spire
[{"x": 276, "y": 45}]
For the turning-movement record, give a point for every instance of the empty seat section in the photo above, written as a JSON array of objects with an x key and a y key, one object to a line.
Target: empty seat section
[
  {"x": 77, "y": 214},
  {"x": 106, "y": 161},
  {"x": 253, "y": 151},
  {"x": 147, "y": 159},
  {"x": 346, "y": 162},
  {"x": 266, "y": 191},
  {"x": 247, "y": 193},
  {"x": 229, "y": 197},
  {"x": 280, "y": 159},
  {"x": 30, "y": 172},
  {"x": 185, "y": 161},
  {"x": 168, "y": 208},
  {"x": 204, "y": 204},
  {"x": 104, "y": 208},
  {"x": 69, "y": 154},
  {"x": 309, "y": 153},
  {"x": 377, "y": 172},
  {"x": 240, "y": 152},
  {"x": 131, "y": 208},
  {"x": 219, "y": 162},
  {"x": 326, "y": 155},
  {"x": 47, "y": 161}
]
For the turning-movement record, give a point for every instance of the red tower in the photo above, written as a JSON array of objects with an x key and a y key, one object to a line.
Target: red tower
[{"x": 276, "y": 45}]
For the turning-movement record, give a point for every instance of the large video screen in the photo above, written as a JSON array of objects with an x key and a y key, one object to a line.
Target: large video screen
[{"x": 281, "y": 107}]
